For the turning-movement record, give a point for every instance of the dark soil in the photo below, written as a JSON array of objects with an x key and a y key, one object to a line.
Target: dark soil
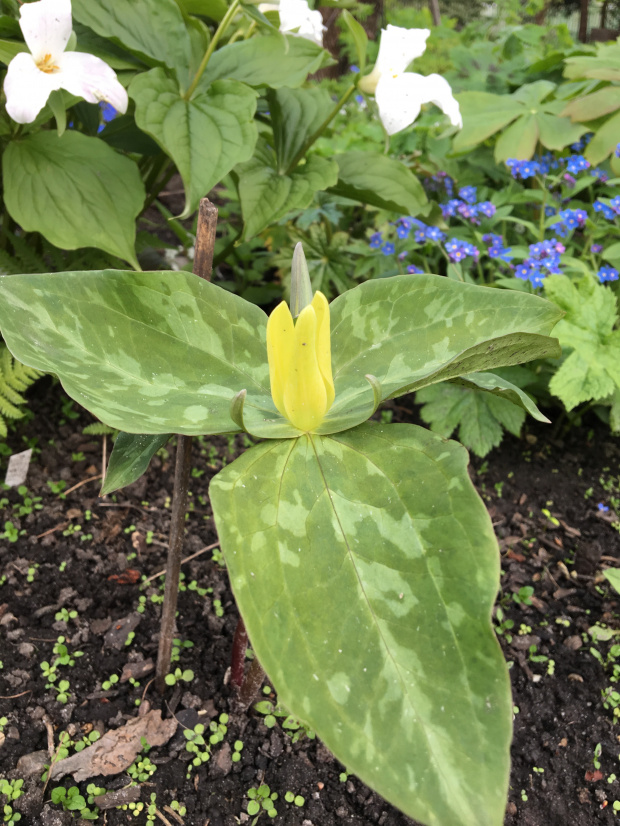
[{"x": 542, "y": 494}]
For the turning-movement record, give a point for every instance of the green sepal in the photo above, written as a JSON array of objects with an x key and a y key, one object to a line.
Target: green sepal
[{"x": 130, "y": 458}]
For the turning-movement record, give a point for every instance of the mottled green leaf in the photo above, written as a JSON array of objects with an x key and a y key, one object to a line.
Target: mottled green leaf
[
  {"x": 592, "y": 369},
  {"x": 160, "y": 352},
  {"x": 152, "y": 29},
  {"x": 367, "y": 597},
  {"x": 296, "y": 114},
  {"x": 266, "y": 195},
  {"x": 273, "y": 60},
  {"x": 130, "y": 458},
  {"x": 503, "y": 389},
  {"x": 74, "y": 190},
  {"x": 424, "y": 329},
  {"x": 205, "y": 136},
  {"x": 378, "y": 180}
]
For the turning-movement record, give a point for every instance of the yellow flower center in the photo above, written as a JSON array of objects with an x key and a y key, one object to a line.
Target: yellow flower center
[
  {"x": 300, "y": 368},
  {"x": 47, "y": 65}
]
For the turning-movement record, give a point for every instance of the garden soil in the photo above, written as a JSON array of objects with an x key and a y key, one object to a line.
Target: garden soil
[{"x": 84, "y": 554}]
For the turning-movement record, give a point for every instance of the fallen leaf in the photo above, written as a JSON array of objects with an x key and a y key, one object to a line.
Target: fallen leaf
[
  {"x": 117, "y": 749},
  {"x": 128, "y": 577}
]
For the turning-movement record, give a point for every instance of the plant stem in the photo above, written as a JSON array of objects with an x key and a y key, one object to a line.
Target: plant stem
[
  {"x": 318, "y": 132},
  {"x": 173, "y": 566},
  {"x": 240, "y": 644},
  {"x": 253, "y": 681},
  {"x": 203, "y": 262},
  {"x": 224, "y": 23}
]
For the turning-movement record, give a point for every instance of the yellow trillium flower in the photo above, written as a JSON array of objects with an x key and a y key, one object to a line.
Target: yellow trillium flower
[{"x": 300, "y": 363}]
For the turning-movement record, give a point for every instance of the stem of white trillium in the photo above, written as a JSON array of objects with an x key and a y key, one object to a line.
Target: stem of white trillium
[{"x": 224, "y": 23}]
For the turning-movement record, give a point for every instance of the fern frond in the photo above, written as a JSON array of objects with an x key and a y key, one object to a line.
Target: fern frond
[
  {"x": 98, "y": 429},
  {"x": 15, "y": 378}
]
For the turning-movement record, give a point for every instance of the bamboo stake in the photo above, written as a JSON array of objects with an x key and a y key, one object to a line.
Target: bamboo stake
[{"x": 203, "y": 264}]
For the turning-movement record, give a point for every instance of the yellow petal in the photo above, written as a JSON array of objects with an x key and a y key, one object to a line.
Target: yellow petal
[
  {"x": 305, "y": 398},
  {"x": 323, "y": 344},
  {"x": 280, "y": 333}
]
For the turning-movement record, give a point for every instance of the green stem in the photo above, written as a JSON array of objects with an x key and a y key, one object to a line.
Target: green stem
[
  {"x": 225, "y": 22},
  {"x": 541, "y": 223},
  {"x": 159, "y": 184},
  {"x": 318, "y": 132}
]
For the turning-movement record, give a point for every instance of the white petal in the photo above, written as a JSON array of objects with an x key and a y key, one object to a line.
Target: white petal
[
  {"x": 398, "y": 47},
  {"x": 91, "y": 78},
  {"x": 46, "y": 26},
  {"x": 27, "y": 88},
  {"x": 399, "y": 99},
  {"x": 297, "y": 16}
]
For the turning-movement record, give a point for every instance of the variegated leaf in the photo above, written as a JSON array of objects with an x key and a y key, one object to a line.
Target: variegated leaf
[
  {"x": 159, "y": 352},
  {"x": 365, "y": 568}
]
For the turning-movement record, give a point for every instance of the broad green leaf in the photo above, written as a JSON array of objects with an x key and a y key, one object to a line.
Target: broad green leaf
[
  {"x": 614, "y": 412},
  {"x": 267, "y": 195},
  {"x": 367, "y": 597},
  {"x": 378, "y": 180},
  {"x": 605, "y": 65},
  {"x": 115, "y": 56},
  {"x": 273, "y": 60},
  {"x": 532, "y": 94},
  {"x": 604, "y": 141},
  {"x": 148, "y": 353},
  {"x": 205, "y": 136},
  {"x": 612, "y": 252},
  {"x": 519, "y": 140},
  {"x": 592, "y": 369},
  {"x": 130, "y": 458},
  {"x": 152, "y": 29},
  {"x": 360, "y": 38},
  {"x": 593, "y": 106},
  {"x": 10, "y": 48},
  {"x": 295, "y": 115},
  {"x": 612, "y": 575},
  {"x": 483, "y": 114},
  {"x": 424, "y": 329},
  {"x": 558, "y": 132},
  {"x": 74, "y": 190},
  {"x": 215, "y": 9}
]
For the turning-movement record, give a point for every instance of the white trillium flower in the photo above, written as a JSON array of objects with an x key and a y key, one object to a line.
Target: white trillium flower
[
  {"x": 31, "y": 78},
  {"x": 298, "y": 18},
  {"x": 400, "y": 94}
]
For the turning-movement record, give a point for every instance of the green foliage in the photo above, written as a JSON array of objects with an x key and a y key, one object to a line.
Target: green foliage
[
  {"x": 479, "y": 414},
  {"x": 15, "y": 379},
  {"x": 591, "y": 368}
]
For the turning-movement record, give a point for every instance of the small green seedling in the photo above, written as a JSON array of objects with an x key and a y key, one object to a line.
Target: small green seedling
[
  {"x": 238, "y": 748},
  {"x": 261, "y": 799},
  {"x": 297, "y": 799},
  {"x": 179, "y": 676}
]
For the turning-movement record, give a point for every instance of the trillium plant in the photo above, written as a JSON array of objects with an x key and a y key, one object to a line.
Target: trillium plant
[{"x": 362, "y": 560}]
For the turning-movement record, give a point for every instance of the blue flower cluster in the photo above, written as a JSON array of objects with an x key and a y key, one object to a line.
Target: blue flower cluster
[
  {"x": 607, "y": 273},
  {"x": 543, "y": 164},
  {"x": 496, "y": 248},
  {"x": 609, "y": 211},
  {"x": 543, "y": 260},
  {"x": 460, "y": 250},
  {"x": 568, "y": 220}
]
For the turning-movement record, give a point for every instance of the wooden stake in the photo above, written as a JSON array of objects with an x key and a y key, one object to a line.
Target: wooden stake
[{"x": 203, "y": 264}]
